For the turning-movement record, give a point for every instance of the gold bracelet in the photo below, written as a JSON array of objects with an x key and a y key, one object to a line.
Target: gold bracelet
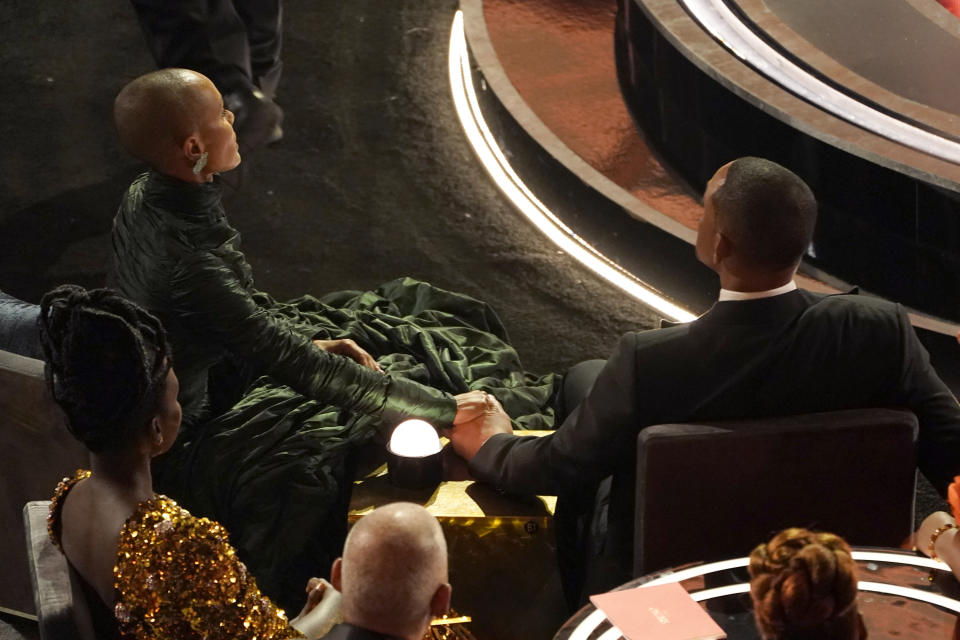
[{"x": 936, "y": 534}]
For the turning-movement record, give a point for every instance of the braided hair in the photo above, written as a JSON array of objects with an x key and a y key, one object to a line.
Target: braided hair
[
  {"x": 804, "y": 586},
  {"x": 107, "y": 363}
]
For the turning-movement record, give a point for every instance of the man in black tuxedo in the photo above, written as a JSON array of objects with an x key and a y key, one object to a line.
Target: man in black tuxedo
[
  {"x": 764, "y": 349},
  {"x": 392, "y": 576}
]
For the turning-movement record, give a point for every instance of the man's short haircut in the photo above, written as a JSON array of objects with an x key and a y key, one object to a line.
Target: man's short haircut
[
  {"x": 394, "y": 559},
  {"x": 767, "y": 211}
]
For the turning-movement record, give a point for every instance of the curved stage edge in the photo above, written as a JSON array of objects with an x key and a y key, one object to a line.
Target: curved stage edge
[
  {"x": 643, "y": 251},
  {"x": 709, "y": 82}
]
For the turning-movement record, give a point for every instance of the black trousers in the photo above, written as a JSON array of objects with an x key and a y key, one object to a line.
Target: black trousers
[
  {"x": 580, "y": 518},
  {"x": 235, "y": 43}
]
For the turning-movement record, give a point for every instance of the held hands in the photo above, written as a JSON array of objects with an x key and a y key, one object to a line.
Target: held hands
[
  {"x": 479, "y": 416},
  {"x": 322, "y": 610},
  {"x": 350, "y": 349},
  {"x": 471, "y": 404}
]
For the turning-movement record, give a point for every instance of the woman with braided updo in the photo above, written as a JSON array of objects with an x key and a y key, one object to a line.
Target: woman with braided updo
[
  {"x": 804, "y": 587},
  {"x": 161, "y": 572}
]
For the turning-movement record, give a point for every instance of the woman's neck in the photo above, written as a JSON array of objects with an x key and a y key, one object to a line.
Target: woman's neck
[
  {"x": 126, "y": 472},
  {"x": 182, "y": 172}
]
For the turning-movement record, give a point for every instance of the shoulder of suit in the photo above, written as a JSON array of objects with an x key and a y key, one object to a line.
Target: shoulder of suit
[
  {"x": 851, "y": 301},
  {"x": 656, "y": 336}
]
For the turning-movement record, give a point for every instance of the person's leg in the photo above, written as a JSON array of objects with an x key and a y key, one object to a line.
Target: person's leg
[
  {"x": 264, "y": 23},
  {"x": 210, "y": 37},
  {"x": 577, "y": 510},
  {"x": 204, "y": 35},
  {"x": 577, "y": 382}
]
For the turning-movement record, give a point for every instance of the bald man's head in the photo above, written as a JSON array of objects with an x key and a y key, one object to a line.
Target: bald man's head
[
  {"x": 393, "y": 574},
  {"x": 155, "y": 113}
]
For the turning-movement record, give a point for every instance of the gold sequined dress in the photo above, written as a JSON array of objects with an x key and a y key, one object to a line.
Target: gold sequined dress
[{"x": 177, "y": 576}]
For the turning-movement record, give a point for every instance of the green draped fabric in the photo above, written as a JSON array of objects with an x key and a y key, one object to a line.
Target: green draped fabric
[{"x": 275, "y": 467}]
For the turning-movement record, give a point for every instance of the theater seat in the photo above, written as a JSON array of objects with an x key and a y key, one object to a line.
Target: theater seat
[
  {"x": 714, "y": 490},
  {"x": 62, "y": 609},
  {"x": 36, "y": 451}
]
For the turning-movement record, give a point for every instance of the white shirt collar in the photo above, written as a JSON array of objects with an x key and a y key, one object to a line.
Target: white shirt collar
[{"x": 726, "y": 295}]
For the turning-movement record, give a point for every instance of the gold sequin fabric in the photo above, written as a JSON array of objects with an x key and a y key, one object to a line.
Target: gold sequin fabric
[{"x": 177, "y": 576}]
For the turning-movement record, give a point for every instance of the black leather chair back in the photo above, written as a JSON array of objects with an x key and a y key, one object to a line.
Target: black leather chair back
[{"x": 708, "y": 491}]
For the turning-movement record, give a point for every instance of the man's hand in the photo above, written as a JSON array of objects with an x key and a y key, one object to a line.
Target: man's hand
[
  {"x": 322, "y": 610},
  {"x": 474, "y": 425},
  {"x": 350, "y": 349}
]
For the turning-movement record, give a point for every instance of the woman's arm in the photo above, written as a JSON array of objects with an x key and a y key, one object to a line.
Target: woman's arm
[
  {"x": 937, "y": 538},
  {"x": 210, "y": 300}
]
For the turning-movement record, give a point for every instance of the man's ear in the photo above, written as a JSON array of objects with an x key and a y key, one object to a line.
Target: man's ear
[
  {"x": 722, "y": 247},
  {"x": 336, "y": 574},
  {"x": 440, "y": 602}
]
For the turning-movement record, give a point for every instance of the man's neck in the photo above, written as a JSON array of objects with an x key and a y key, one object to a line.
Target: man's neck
[
  {"x": 751, "y": 280},
  {"x": 379, "y": 627},
  {"x": 727, "y": 295}
]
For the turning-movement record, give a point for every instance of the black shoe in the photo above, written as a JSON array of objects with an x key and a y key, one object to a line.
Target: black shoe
[{"x": 258, "y": 120}]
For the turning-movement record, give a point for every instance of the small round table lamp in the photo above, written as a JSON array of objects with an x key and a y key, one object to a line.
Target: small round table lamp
[{"x": 413, "y": 455}]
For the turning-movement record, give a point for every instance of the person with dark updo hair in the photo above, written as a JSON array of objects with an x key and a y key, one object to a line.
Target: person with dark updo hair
[
  {"x": 159, "y": 571},
  {"x": 804, "y": 587}
]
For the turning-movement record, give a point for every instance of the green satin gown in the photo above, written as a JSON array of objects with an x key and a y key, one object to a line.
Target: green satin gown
[{"x": 270, "y": 459}]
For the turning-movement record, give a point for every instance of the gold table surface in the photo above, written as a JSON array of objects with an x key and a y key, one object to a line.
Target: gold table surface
[
  {"x": 458, "y": 496},
  {"x": 502, "y": 550}
]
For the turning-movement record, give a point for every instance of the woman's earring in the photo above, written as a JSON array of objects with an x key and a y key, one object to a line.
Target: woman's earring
[{"x": 201, "y": 163}]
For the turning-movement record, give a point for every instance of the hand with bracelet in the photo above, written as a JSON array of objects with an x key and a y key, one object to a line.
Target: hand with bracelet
[{"x": 937, "y": 535}]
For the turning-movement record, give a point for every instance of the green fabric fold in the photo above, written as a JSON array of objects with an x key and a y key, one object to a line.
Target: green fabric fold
[{"x": 275, "y": 466}]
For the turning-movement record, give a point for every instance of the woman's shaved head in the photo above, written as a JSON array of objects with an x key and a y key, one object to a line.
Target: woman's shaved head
[{"x": 157, "y": 112}]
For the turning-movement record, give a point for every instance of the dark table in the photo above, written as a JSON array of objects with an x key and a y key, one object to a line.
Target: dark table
[{"x": 902, "y": 597}]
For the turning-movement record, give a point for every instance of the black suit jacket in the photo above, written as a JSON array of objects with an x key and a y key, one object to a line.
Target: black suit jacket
[
  {"x": 798, "y": 352},
  {"x": 345, "y": 631}
]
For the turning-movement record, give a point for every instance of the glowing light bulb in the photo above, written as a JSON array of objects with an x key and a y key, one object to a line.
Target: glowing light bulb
[{"x": 414, "y": 439}]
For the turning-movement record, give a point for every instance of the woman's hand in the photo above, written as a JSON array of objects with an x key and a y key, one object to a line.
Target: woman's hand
[
  {"x": 473, "y": 404},
  {"x": 476, "y": 423},
  {"x": 935, "y": 521},
  {"x": 322, "y": 610},
  {"x": 350, "y": 349}
]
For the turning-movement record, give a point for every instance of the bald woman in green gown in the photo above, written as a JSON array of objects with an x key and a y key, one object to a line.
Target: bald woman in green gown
[{"x": 270, "y": 459}]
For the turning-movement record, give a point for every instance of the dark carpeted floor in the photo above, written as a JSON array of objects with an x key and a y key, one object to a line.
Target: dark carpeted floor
[{"x": 373, "y": 180}]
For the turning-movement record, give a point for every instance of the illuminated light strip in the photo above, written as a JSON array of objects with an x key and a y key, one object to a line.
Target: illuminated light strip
[
  {"x": 498, "y": 167},
  {"x": 863, "y": 585},
  {"x": 589, "y": 624},
  {"x": 585, "y": 628},
  {"x": 735, "y": 563},
  {"x": 699, "y": 570},
  {"x": 717, "y": 18},
  {"x": 744, "y": 587},
  {"x": 912, "y": 594},
  {"x": 916, "y": 561},
  {"x": 719, "y": 592},
  {"x": 611, "y": 634}
]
